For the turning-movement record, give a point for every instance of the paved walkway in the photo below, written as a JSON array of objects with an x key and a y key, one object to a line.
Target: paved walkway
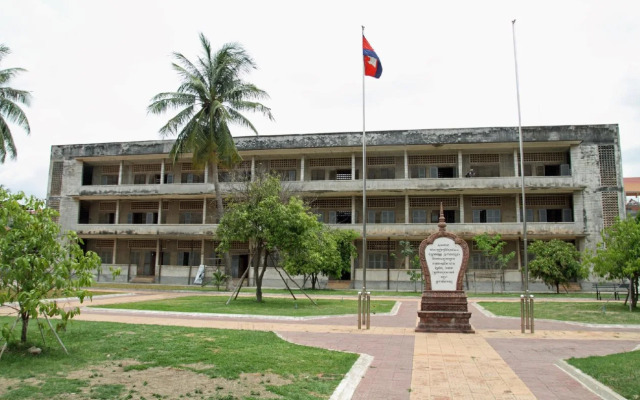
[{"x": 497, "y": 362}]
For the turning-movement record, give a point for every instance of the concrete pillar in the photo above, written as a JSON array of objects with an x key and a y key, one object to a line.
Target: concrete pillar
[
  {"x": 516, "y": 164},
  {"x": 162, "y": 172},
  {"x": 302, "y": 169},
  {"x": 204, "y": 210},
  {"x": 118, "y": 211},
  {"x": 353, "y": 166},
  {"x": 518, "y": 216},
  {"x": 120, "y": 173},
  {"x": 253, "y": 169},
  {"x": 159, "y": 211},
  {"x": 460, "y": 172},
  {"x": 115, "y": 251},
  {"x": 202, "y": 251},
  {"x": 206, "y": 172},
  {"x": 406, "y": 209},
  {"x": 157, "y": 266},
  {"x": 461, "y": 208},
  {"x": 406, "y": 165},
  {"x": 353, "y": 210}
]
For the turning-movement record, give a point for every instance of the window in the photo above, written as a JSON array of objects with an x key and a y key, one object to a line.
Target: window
[
  {"x": 419, "y": 216},
  {"x": 107, "y": 218},
  {"x": 529, "y": 215},
  {"x": 109, "y": 180},
  {"x": 418, "y": 172},
  {"x": 339, "y": 217},
  {"x": 106, "y": 256},
  {"x": 343, "y": 175},
  {"x": 186, "y": 258},
  {"x": 381, "y": 173},
  {"x": 190, "y": 218},
  {"x": 555, "y": 215},
  {"x": 320, "y": 216},
  {"x": 165, "y": 258},
  {"x": 139, "y": 179},
  {"x": 449, "y": 216},
  {"x": 377, "y": 260},
  {"x": 142, "y": 218},
  {"x": 486, "y": 216},
  {"x": 288, "y": 175},
  {"x": 388, "y": 217},
  {"x": 190, "y": 177},
  {"x": 317, "y": 174},
  {"x": 480, "y": 261},
  {"x": 442, "y": 172}
]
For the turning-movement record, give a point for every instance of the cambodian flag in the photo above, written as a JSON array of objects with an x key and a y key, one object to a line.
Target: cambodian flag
[{"x": 372, "y": 65}]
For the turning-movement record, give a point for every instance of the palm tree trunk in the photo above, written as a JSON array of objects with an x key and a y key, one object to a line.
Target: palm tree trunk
[{"x": 220, "y": 212}]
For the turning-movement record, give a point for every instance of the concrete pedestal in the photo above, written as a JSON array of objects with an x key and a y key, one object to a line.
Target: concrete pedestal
[{"x": 444, "y": 311}]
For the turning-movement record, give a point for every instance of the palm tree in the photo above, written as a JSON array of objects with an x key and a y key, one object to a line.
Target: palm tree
[
  {"x": 211, "y": 97},
  {"x": 9, "y": 109}
]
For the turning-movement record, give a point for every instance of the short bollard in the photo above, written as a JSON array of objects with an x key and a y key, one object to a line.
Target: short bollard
[
  {"x": 526, "y": 313},
  {"x": 364, "y": 309}
]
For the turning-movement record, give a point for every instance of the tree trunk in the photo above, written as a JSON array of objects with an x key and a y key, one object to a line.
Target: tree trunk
[
  {"x": 220, "y": 212},
  {"x": 633, "y": 291},
  {"x": 557, "y": 288},
  {"x": 25, "y": 325},
  {"x": 261, "y": 276},
  {"x": 314, "y": 280},
  {"x": 256, "y": 273}
]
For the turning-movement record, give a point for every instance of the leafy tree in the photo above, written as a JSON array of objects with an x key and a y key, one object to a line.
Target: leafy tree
[
  {"x": 212, "y": 96},
  {"x": 618, "y": 255},
  {"x": 493, "y": 247},
  {"x": 415, "y": 269},
  {"x": 273, "y": 223},
  {"x": 324, "y": 252},
  {"x": 556, "y": 262},
  {"x": 218, "y": 278},
  {"x": 10, "y": 110},
  {"x": 36, "y": 260}
]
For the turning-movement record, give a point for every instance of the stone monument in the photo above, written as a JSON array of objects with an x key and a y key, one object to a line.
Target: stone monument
[{"x": 444, "y": 257}]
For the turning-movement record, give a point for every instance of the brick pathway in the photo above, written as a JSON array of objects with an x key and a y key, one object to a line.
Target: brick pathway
[{"x": 497, "y": 362}]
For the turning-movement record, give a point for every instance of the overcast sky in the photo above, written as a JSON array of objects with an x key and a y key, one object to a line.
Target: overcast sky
[{"x": 93, "y": 66}]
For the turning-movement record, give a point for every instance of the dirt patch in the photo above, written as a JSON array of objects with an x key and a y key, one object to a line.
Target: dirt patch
[{"x": 173, "y": 383}]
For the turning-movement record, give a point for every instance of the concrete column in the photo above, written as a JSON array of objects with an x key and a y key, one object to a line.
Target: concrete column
[
  {"x": 206, "y": 172},
  {"x": 204, "y": 210},
  {"x": 115, "y": 251},
  {"x": 406, "y": 208},
  {"x": 158, "y": 248},
  {"x": 406, "y": 262},
  {"x": 159, "y": 211},
  {"x": 353, "y": 166},
  {"x": 518, "y": 217},
  {"x": 253, "y": 169},
  {"x": 406, "y": 165},
  {"x": 461, "y": 208},
  {"x": 353, "y": 210},
  {"x": 120, "y": 173},
  {"x": 302, "y": 169},
  {"x": 117, "y": 211},
  {"x": 162, "y": 172},
  {"x": 202, "y": 252},
  {"x": 516, "y": 164},
  {"x": 460, "y": 172}
]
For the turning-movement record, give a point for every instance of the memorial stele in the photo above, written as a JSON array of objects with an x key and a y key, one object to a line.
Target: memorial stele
[{"x": 444, "y": 257}]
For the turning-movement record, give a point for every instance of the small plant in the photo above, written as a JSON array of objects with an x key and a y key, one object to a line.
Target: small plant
[
  {"x": 219, "y": 278},
  {"x": 415, "y": 271}
]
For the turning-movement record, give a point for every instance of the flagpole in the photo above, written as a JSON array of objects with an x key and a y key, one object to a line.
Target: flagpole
[{"x": 364, "y": 187}]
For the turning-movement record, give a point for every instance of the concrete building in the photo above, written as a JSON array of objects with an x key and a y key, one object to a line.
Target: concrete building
[{"x": 157, "y": 220}]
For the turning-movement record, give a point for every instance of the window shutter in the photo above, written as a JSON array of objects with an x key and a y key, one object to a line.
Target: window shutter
[
  {"x": 371, "y": 216},
  {"x": 565, "y": 169},
  {"x": 332, "y": 217},
  {"x": 542, "y": 215},
  {"x": 433, "y": 172},
  {"x": 476, "y": 216},
  {"x": 130, "y": 218},
  {"x": 567, "y": 215}
]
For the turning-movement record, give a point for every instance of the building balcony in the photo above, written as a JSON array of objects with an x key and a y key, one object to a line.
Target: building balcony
[{"x": 508, "y": 230}]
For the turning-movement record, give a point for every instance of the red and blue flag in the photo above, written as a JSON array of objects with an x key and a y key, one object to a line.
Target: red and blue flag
[{"x": 372, "y": 65}]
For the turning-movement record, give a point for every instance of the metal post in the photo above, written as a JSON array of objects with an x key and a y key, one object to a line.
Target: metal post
[
  {"x": 531, "y": 311},
  {"x": 359, "y": 310}
]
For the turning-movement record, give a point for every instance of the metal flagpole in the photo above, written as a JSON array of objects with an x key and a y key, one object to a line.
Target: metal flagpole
[
  {"x": 363, "y": 297},
  {"x": 526, "y": 299}
]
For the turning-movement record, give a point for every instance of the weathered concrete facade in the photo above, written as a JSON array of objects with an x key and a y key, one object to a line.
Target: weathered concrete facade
[{"x": 154, "y": 218}]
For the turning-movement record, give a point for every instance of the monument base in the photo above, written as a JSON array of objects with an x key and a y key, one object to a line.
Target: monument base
[{"x": 444, "y": 311}]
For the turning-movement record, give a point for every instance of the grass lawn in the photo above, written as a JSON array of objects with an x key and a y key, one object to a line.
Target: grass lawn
[
  {"x": 248, "y": 305},
  {"x": 122, "y": 361},
  {"x": 589, "y": 312},
  {"x": 609, "y": 370}
]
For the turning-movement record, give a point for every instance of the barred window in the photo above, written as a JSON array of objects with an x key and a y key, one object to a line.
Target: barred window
[
  {"x": 188, "y": 244},
  {"x": 484, "y": 158},
  {"x": 142, "y": 244},
  {"x": 56, "y": 178},
  {"x": 381, "y": 160},
  {"x": 144, "y": 205},
  {"x": 433, "y": 201},
  {"x": 381, "y": 245},
  {"x": 331, "y": 203},
  {"x": 607, "y": 158},
  {"x": 484, "y": 201},
  {"x": 191, "y": 205},
  {"x": 146, "y": 168},
  {"x": 433, "y": 159},
  {"x": 330, "y": 162},
  {"x": 610, "y": 210},
  {"x": 110, "y": 169},
  {"x": 287, "y": 163},
  {"x": 105, "y": 243},
  {"x": 107, "y": 206},
  {"x": 381, "y": 203}
]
